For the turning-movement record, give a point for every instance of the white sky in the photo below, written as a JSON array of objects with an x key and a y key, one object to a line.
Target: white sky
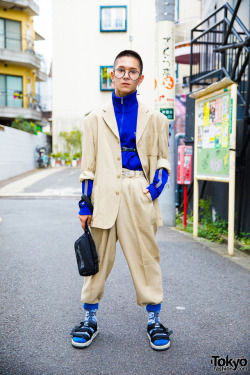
[{"x": 43, "y": 25}]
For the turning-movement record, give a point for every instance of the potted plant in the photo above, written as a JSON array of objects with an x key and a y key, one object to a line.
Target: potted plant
[
  {"x": 65, "y": 158},
  {"x": 52, "y": 159},
  {"x": 68, "y": 162},
  {"x": 58, "y": 158},
  {"x": 76, "y": 158}
]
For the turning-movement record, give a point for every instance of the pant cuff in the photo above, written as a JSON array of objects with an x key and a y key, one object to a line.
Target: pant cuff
[
  {"x": 153, "y": 308},
  {"x": 90, "y": 306}
]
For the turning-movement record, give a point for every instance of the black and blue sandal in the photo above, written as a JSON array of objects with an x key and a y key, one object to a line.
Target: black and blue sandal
[
  {"x": 158, "y": 336},
  {"x": 84, "y": 334}
]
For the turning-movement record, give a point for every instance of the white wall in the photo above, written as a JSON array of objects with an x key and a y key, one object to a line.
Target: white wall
[
  {"x": 243, "y": 12},
  {"x": 17, "y": 151},
  {"x": 80, "y": 49}
]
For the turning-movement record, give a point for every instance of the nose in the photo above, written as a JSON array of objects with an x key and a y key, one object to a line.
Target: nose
[{"x": 126, "y": 75}]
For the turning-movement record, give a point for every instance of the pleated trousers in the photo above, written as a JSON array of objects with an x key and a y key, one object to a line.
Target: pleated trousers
[{"x": 135, "y": 228}]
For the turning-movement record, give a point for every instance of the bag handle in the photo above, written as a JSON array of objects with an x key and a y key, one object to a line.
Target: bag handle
[{"x": 85, "y": 198}]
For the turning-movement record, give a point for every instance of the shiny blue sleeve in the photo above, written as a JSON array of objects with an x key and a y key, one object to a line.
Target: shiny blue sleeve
[
  {"x": 159, "y": 182},
  {"x": 87, "y": 186}
]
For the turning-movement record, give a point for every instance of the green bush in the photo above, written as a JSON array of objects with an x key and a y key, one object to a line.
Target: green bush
[
  {"x": 27, "y": 126},
  {"x": 77, "y": 155},
  {"x": 212, "y": 230}
]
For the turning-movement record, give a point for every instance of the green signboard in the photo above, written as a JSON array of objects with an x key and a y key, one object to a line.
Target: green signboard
[{"x": 169, "y": 112}]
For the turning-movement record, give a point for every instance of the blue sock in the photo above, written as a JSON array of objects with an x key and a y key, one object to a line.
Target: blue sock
[
  {"x": 90, "y": 316},
  {"x": 153, "y": 318}
]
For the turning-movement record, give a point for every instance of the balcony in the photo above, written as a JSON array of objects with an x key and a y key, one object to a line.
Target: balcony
[
  {"x": 28, "y": 6},
  {"x": 26, "y": 113},
  {"x": 27, "y": 58},
  {"x": 41, "y": 76}
]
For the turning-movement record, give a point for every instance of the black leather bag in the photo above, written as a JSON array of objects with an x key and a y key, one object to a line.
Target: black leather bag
[{"x": 85, "y": 249}]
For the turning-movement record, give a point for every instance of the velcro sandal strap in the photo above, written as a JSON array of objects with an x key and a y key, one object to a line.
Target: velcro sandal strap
[
  {"x": 158, "y": 332},
  {"x": 85, "y": 330}
]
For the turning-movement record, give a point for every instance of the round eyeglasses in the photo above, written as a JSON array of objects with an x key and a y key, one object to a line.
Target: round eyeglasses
[{"x": 133, "y": 74}]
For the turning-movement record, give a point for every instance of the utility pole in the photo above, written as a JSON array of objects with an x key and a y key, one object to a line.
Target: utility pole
[{"x": 165, "y": 93}]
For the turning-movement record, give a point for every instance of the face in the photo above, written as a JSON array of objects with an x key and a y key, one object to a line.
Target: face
[{"x": 125, "y": 86}]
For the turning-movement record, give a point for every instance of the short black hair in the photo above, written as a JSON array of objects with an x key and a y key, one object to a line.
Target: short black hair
[{"x": 130, "y": 53}]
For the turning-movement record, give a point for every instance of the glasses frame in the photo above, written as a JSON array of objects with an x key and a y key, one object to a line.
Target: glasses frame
[{"x": 126, "y": 70}]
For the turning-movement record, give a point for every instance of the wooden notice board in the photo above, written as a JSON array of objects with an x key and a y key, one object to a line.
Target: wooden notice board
[{"x": 215, "y": 144}]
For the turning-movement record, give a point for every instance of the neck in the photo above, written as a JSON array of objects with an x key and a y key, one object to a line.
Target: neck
[{"x": 120, "y": 94}]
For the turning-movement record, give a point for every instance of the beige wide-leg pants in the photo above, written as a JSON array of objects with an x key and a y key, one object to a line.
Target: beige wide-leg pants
[{"x": 135, "y": 228}]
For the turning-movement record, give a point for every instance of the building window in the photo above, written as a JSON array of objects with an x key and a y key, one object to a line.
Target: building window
[
  {"x": 177, "y": 11},
  {"x": 11, "y": 91},
  {"x": 10, "y": 34},
  {"x": 113, "y": 18},
  {"x": 106, "y": 83}
]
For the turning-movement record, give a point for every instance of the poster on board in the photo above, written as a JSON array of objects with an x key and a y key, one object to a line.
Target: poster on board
[{"x": 213, "y": 127}]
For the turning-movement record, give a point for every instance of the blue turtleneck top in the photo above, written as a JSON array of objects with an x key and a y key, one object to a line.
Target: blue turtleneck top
[{"x": 126, "y": 111}]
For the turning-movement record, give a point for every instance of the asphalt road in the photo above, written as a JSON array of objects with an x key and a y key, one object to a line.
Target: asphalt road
[{"x": 206, "y": 300}]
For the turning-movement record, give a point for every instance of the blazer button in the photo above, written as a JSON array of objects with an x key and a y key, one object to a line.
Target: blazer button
[
  {"x": 118, "y": 158},
  {"x": 117, "y": 193},
  {"x": 118, "y": 176}
]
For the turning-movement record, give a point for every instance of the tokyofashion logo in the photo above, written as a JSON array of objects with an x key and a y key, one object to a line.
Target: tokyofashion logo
[{"x": 224, "y": 364}]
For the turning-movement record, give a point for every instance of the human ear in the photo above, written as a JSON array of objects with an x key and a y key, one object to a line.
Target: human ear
[{"x": 141, "y": 79}]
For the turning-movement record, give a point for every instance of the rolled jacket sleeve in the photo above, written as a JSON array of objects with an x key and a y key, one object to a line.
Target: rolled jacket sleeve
[{"x": 88, "y": 153}]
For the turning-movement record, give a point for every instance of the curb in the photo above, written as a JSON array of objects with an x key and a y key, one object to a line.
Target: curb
[{"x": 239, "y": 257}]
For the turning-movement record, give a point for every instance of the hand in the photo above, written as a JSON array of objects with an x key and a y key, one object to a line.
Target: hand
[
  {"x": 145, "y": 191},
  {"x": 83, "y": 219}
]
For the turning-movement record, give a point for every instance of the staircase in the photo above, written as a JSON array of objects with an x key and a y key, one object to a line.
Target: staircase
[{"x": 220, "y": 46}]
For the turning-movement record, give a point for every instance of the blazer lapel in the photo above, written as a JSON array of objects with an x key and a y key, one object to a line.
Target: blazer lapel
[
  {"x": 109, "y": 118},
  {"x": 142, "y": 121}
]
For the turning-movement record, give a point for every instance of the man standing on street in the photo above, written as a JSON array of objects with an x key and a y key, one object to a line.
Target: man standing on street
[{"x": 124, "y": 169}]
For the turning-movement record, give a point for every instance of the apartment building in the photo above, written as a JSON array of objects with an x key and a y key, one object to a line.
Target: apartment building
[
  {"x": 87, "y": 37},
  {"x": 20, "y": 66}
]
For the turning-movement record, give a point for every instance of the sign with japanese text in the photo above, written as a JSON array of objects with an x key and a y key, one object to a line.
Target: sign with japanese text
[{"x": 165, "y": 68}]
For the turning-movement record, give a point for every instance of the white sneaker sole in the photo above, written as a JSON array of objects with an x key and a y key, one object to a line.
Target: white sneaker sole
[
  {"x": 156, "y": 347},
  {"x": 85, "y": 344}
]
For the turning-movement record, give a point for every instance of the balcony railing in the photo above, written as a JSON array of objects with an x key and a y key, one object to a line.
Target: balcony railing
[{"x": 16, "y": 99}]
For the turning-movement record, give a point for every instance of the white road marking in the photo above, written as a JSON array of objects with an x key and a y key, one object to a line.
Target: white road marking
[{"x": 17, "y": 187}]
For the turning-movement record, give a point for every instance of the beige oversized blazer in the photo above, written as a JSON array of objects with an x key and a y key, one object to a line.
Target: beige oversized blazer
[{"x": 102, "y": 162}]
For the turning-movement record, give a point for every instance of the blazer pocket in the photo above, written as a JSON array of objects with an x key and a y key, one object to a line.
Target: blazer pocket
[
  {"x": 152, "y": 142},
  {"x": 148, "y": 195}
]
